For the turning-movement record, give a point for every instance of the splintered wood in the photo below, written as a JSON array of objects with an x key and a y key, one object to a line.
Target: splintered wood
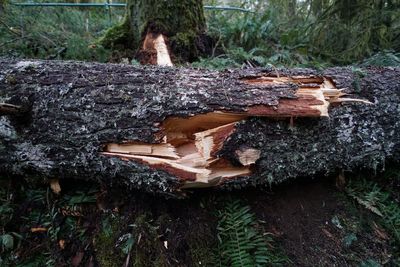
[
  {"x": 155, "y": 50},
  {"x": 314, "y": 94},
  {"x": 189, "y": 150},
  {"x": 190, "y": 146}
]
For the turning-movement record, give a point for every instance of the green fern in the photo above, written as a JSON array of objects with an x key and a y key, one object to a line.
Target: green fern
[
  {"x": 241, "y": 243},
  {"x": 385, "y": 59},
  {"x": 374, "y": 198}
]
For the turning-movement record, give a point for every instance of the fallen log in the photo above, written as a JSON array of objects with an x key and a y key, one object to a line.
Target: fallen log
[{"x": 165, "y": 129}]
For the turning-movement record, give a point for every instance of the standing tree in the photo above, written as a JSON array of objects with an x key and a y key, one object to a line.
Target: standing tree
[
  {"x": 2, "y": 2},
  {"x": 151, "y": 24}
]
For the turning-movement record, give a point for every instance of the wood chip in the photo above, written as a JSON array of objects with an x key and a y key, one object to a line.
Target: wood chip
[{"x": 55, "y": 186}]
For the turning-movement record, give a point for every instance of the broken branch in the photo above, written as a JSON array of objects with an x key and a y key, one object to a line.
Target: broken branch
[{"x": 9, "y": 109}]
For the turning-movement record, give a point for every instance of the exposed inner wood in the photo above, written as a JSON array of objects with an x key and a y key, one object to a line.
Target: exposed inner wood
[
  {"x": 247, "y": 156},
  {"x": 209, "y": 142},
  {"x": 161, "y": 150},
  {"x": 9, "y": 109},
  {"x": 163, "y": 58},
  {"x": 189, "y": 146},
  {"x": 314, "y": 96},
  {"x": 156, "y": 50}
]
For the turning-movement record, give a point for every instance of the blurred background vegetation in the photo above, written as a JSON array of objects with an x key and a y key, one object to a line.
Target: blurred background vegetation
[{"x": 289, "y": 33}]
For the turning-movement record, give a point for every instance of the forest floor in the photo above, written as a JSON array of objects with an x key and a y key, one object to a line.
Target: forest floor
[{"x": 309, "y": 222}]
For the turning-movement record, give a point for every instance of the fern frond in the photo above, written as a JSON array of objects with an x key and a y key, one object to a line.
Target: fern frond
[{"x": 241, "y": 244}]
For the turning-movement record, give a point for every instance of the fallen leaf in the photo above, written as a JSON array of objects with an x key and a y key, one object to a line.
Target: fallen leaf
[
  {"x": 38, "y": 229},
  {"x": 275, "y": 232},
  {"x": 380, "y": 232},
  {"x": 336, "y": 222},
  {"x": 55, "y": 186},
  {"x": 76, "y": 260},
  {"x": 91, "y": 262},
  {"x": 327, "y": 233},
  {"x": 61, "y": 243},
  {"x": 340, "y": 181},
  {"x": 368, "y": 205}
]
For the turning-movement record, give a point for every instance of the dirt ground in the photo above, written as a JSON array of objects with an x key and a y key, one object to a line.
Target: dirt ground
[{"x": 317, "y": 226}]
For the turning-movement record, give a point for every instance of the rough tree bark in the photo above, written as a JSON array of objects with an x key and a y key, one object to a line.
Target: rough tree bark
[
  {"x": 164, "y": 129},
  {"x": 181, "y": 23}
]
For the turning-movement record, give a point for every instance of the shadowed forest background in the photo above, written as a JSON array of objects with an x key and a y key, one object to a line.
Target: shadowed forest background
[{"x": 311, "y": 222}]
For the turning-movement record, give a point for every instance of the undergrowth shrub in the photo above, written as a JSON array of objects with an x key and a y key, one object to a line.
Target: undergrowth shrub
[
  {"x": 55, "y": 32},
  {"x": 370, "y": 195},
  {"x": 348, "y": 31},
  {"x": 275, "y": 33},
  {"x": 384, "y": 59},
  {"x": 305, "y": 33},
  {"x": 241, "y": 240}
]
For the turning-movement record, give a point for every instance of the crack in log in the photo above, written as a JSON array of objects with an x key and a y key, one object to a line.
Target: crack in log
[
  {"x": 10, "y": 109},
  {"x": 314, "y": 95},
  {"x": 189, "y": 147}
]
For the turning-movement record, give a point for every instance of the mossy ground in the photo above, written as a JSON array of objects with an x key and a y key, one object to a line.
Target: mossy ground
[{"x": 107, "y": 254}]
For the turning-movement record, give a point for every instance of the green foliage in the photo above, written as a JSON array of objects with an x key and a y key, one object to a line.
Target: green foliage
[
  {"x": 309, "y": 33},
  {"x": 217, "y": 63},
  {"x": 348, "y": 31},
  {"x": 349, "y": 239},
  {"x": 38, "y": 260},
  {"x": 105, "y": 241},
  {"x": 81, "y": 197},
  {"x": 117, "y": 36},
  {"x": 6, "y": 207},
  {"x": 384, "y": 59},
  {"x": 139, "y": 241},
  {"x": 255, "y": 39},
  {"x": 7, "y": 241},
  {"x": 370, "y": 195},
  {"x": 369, "y": 263},
  {"x": 54, "y": 32},
  {"x": 27, "y": 206},
  {"x": 287, "y": 33},
  {"x": 241, "y": 241}
]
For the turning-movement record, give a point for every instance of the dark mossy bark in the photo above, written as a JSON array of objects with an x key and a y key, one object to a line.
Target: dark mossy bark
[
  {"x": 75, "y": 108},
  {"x": 181, "y": 21}
]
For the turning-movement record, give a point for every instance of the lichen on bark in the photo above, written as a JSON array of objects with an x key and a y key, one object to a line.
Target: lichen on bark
[{"x": 76, "y": 108}]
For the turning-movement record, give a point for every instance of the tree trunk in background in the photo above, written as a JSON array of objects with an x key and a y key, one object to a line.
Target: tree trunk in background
[
  {"x": 318, "y": 6},
  {"x": 291, "y": 11},
  {"x": 181, "y": 22},
  {"x": 164, "y": 129},
  {"x": 2, "y": 2},
  {"x": 347, "y": 9}
]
